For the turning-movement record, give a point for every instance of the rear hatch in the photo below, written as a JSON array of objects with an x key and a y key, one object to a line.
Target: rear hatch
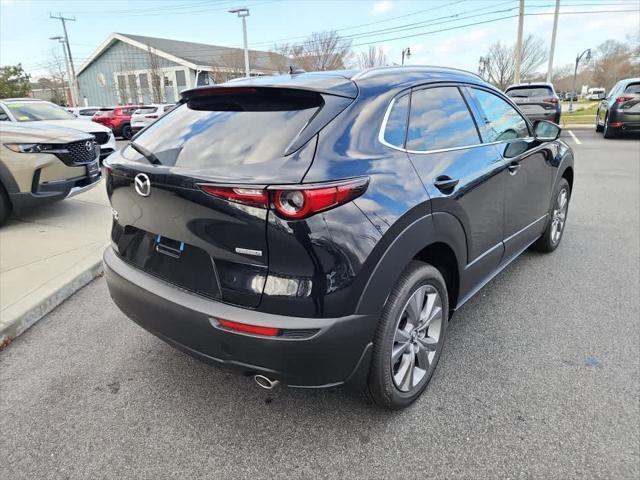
[
  {"x": 144, "y": 116},
  {"x": 534, "y": 100},
  {"x": 230, "y": 137}
]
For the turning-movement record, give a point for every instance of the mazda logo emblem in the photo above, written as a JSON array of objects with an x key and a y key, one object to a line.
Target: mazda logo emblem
[
  {"x": 142, "y": 184},
  {"x": 88, "y": 145}
]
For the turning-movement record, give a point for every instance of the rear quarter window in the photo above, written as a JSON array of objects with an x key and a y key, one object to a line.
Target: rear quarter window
[{"x": 396, "y": 126}]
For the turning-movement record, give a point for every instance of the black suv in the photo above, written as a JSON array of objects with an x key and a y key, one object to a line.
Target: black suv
[{"x": 319, "y": 229}]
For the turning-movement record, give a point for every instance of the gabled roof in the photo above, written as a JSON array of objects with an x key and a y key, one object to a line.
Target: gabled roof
[{"x": 198, "y": 56}]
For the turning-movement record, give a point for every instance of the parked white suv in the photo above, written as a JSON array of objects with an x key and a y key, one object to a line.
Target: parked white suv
[
  {"x": 145, "y": 116},
  {"x": 34, "y": 110},
  {"x": 84, "y": 113}
]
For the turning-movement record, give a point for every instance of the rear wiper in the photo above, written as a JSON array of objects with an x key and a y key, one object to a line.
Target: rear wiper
[{"x": 145, "y": 153}]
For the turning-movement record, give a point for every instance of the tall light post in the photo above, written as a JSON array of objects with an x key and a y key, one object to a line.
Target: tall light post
[
  {"x": 406, "y": 52},
  {"x": 61, "y": 40},
  {"x": 587, "y": 52},
  {"x": 243, "y": 13}
]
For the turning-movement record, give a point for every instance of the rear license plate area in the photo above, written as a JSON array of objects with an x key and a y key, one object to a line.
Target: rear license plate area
[{"x": 171, "y": 260}]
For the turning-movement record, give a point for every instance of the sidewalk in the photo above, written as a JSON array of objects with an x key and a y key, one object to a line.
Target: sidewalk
[{"x": 48, "y": 253}]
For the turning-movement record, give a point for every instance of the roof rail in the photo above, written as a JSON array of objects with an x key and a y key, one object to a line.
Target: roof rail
[{"x": 414, "y": 68}]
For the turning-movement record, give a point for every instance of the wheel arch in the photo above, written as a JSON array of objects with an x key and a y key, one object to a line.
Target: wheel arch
[
  {"x": 567, "y": 174},
  {"x": 437, "y": 239}
]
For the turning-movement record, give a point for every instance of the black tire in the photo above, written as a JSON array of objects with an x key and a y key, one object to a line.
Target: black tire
[
  {"x": 127, "y": 132},
  {"x": 598, "y": 126},
  {"x": 550, "y": 240},
  {"x": 5, "y": 205},
  {"x": 381, "y": 387},
  {"x": 608, "y": 132}
]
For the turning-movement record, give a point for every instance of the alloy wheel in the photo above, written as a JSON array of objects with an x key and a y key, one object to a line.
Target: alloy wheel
[
  {"x": 417, "y": 338},
  {"x": 559, "y": 215}
]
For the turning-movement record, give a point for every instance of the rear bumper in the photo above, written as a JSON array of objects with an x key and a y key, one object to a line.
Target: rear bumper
[
  {"x": 335, "y": 352},
  {"x": 550, "y": 116}
]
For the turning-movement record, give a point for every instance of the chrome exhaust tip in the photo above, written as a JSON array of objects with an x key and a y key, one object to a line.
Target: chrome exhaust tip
[{"x": 266, "y": 382}]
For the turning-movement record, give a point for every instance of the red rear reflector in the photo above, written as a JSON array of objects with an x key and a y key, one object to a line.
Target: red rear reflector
[
  {"x": 551, "y": 100},
  {"x": 615, "y": 124},
  {"x": 243, "y": 327},
  {"x": 623, "y": 99},
  {"x": 255, "y": 197}
]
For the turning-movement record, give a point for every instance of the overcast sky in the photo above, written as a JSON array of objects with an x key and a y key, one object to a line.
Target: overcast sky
[{"x": 439, "y": 32}]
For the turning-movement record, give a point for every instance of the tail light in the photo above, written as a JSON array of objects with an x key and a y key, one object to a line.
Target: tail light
[
  {"x": 293, "y": 202},
  {"x": 624, "y": 98},
  {"x": 551, "y": 100}
]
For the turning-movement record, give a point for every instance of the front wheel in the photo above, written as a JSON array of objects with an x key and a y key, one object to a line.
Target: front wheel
[
  {"x": 127, "y": 132},
  {"x": 552, "y": 235},
  {"x": 409, "y": 338}
]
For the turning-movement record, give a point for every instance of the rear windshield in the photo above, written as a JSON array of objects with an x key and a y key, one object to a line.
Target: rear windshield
[
  {"x": 633, "y": 88},
  {"x": 146, "y": 110},
  {"x": 524, "y": 92},
  {"x": 228, "y": 129}
]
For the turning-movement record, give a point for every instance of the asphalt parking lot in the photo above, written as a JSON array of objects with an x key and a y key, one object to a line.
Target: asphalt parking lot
[{"x": 539, "y": 378}]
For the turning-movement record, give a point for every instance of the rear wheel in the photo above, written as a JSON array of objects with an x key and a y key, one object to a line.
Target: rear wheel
[
  {"x": 409, "y": 338},
  {"x": 552, "y": 235},
  {"x": 598, "y": 126},
  {"x": 127, "y": 132},
  {"x": 5, "y": 205},
  {"x": 608, "y": 132}
]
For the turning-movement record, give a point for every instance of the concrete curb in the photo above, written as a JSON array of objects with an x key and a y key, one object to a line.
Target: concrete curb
[{"x": 21, "y": 323}]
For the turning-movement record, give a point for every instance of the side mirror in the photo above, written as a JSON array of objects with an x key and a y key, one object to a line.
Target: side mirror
[{"x": 546, "y": 131}]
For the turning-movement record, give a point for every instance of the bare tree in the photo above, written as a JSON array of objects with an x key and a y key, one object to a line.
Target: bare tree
[
  {"x": 614, "y": 60},
  {"x": 500, "y": 61},
  {"x": 56, "y": 81},
  {"x": 320, "y": 51},
  {"x": 230, "y": 64},
  {"x": 155, "y": 75},
  {"x": 374, "y": 57}
]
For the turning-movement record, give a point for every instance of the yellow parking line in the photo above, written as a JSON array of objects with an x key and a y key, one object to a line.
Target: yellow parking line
[{"x": 575, "y": 139}]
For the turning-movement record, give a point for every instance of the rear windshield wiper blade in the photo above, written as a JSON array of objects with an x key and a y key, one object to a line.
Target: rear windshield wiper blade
[{"x": 145, "y": 153}]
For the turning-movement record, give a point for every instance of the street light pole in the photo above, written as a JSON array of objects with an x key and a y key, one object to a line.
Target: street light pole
[
  {"x": 575, "y": 74},
  {"x": 66, "y": 61},
  {"x": 243, "y": 13},
  {"x": 406, "y": 52}
]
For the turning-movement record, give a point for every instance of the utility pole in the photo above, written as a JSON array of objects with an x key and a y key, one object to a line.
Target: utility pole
[
  {"x": 76, "y": 93},
  {"x": 516, "y": 73},
  {"x": 66, "y": 61},
  {"x": 243, "y": 13},
  {"x": 553, "y": 41}
]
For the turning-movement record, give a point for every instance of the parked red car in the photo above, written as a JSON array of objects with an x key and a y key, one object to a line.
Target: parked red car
[{"x": 117, "y": 119}]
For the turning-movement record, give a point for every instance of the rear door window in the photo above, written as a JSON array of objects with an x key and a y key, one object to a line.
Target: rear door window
[
  {"x": 396, "y": 126},
  {"x": 440, "y": 119},
  {"x": 499, "y": 120},
  {"x": 229, "y": 129}
]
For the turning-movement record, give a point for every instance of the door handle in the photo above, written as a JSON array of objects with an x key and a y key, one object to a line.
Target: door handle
[
  {"x": 513, "y": 168},
  {"x": 445, "y": 183}
]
